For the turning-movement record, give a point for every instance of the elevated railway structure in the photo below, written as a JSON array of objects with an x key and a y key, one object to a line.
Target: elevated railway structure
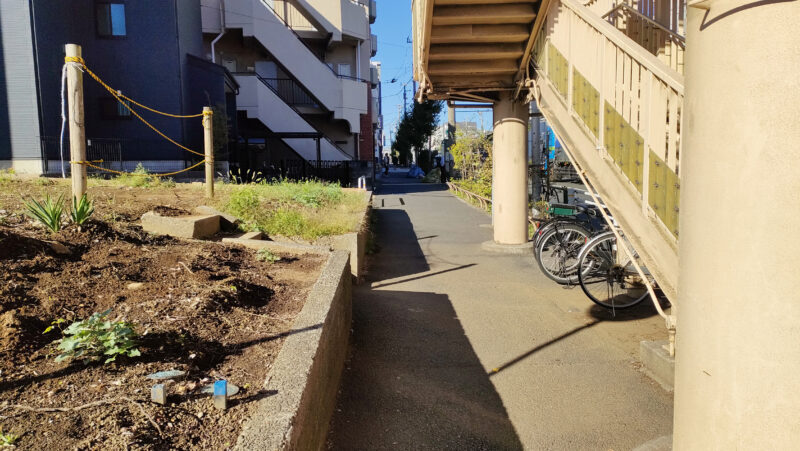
[{"x": 683, "y": 116}]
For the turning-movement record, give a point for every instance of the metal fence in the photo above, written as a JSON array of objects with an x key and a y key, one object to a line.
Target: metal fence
[
  {"x": 115, "y": 154},
  {"x": 291, "y": 92}
]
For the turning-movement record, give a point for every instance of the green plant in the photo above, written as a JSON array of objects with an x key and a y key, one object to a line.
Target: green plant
[
  {"x": 81, "y": 209},
  {"x": 44, "y": 181},
  {"x": 47, "y": 212},
  {"x": 244, "y": 203},
  {"x": 265, "y": 255},
  {"x": 96, "y": 337},
  {"x": 7, "y": 439}
]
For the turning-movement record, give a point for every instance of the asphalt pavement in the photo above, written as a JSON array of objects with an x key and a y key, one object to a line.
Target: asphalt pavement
[{"x": 457, "y": 348}]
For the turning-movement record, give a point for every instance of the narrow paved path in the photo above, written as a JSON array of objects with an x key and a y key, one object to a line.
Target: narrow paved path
[{"x": 456, "y": 348}]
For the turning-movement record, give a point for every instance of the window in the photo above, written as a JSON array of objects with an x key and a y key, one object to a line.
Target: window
[
  {"x": 111, "y": 19},
  {"x": 111, "y": 108},
  {"x": 344, "y": 70}
]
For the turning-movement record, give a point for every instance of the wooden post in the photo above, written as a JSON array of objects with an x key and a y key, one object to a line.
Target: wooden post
[
  {"x": 77, "y": 133},
  {"x": 208, "y": 141}
]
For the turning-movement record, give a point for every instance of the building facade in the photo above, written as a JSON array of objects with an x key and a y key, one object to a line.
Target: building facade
[
  {"x": 293, "y": 78},
  {"x": 150, "y": 50},
  {"x": 305, "y": 77}
]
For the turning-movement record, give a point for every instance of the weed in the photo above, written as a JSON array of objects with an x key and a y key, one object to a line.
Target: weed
[
  {"x": 44, "y": 181},
  {"x": 81, "y": 209},
  {"x": 265, "y": 255},
  {"x": 47, "y": 212},
  {"x": 95, "y": 338},
  {"x": 244, "y": 203},
  {"x": 7, "y": 439}
]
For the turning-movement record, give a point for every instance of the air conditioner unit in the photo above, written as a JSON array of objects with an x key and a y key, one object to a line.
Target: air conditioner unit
[
  {"x": 373, "y": 76},
  {"x": 374, "y": 40},
  {"x": 373, "y": 11}
]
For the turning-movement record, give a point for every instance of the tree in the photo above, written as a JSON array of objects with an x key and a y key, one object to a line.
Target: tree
[
  {"x": 472, "y": 156},
  {"x": 415, "y": 128}
]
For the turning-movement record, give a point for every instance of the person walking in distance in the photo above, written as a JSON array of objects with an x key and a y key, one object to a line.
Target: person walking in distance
[
  {"x": 444, "y": 166},
  {"x": 386, "y": 162}
]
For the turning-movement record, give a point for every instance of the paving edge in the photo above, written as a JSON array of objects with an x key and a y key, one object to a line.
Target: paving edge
[
  {"x": 304, "y": 379},
  {"x": 516, "y": 249},
  {"x": 657, "y": 363}
]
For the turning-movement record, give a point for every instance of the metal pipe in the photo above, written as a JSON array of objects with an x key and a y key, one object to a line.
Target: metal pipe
[{"x": 222, "y": 32}]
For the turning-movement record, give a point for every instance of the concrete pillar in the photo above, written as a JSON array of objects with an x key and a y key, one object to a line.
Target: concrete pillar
[
  {"x": 510, "y": 165},
  {"x": 738, "y": 339}
]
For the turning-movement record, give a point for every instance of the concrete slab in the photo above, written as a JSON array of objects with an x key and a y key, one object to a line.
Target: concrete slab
[
  {"x": 275, "y": 246},
  {"x": 657, "y": 363},
  {"x": 196, "y": 227},
  {"x": 227, "y": 221}
]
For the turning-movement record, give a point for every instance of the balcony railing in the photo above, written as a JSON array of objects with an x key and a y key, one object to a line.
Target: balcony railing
[
  {"x": 666, "y": 44},
  {"x": 291, "y": 92}
]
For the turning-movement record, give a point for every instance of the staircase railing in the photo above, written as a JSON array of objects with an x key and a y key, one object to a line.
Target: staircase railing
[
  {"x": 291, "y": 92},
  {"x": 266, "y": 82},
  {"x": 666, "y": 44}
]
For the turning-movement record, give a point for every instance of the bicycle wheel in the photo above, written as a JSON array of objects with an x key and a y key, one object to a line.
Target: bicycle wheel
[
  {"x": 608, "y": 277},
  {"x": 557, "y": 251}
]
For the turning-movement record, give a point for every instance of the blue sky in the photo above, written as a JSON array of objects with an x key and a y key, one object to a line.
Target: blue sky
[{"x": 393, "y": 28}]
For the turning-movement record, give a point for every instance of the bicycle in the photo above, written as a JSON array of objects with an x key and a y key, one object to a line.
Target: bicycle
[
  {"x": 608, "y": 277},
  {"x": 558, "y": 241}
]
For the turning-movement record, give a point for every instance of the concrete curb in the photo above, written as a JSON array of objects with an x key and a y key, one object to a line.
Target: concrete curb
[
  {"x": 515, "y": 249},
  {"x": 306, "y": 374}
]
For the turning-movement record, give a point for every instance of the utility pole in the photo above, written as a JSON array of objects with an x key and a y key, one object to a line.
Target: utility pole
[{"x": 77, "y": 132}]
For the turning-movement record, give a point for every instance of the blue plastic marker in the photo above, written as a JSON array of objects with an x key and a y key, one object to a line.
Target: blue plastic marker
[{"x": 221, "y": 395}]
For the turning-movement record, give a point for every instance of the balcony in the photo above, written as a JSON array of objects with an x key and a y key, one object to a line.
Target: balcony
[{"x": 374, "y": 44}]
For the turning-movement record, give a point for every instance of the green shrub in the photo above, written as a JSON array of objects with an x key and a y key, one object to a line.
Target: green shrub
[
  {"x": 95, "y": 338},
  {"x": 265, "y": 255},
  {"x": 244, "y": 203},
  {"x": 81, "y": 209},
  {"x": 48, "y": 212}
]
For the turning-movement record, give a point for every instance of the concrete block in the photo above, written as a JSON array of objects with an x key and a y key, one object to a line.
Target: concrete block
[
  {"x": 227, "y": 221},
  {"x": 657, "y": 363},
  {"x": 274, "y": 246},
  {"x": 181, "y": 226},
  {"x": 251, "y": 236}
]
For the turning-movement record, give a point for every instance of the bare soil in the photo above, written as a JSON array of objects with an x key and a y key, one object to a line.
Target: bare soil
[{"x": 209, "y": 309}]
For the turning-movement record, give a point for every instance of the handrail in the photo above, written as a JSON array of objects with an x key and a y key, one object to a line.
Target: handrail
[
  {"x": 668, "y": 75},
  {"x": 283, "y": 20},
  {"x": 266, "y": 83},
  {"x": 632, "y": 10}
]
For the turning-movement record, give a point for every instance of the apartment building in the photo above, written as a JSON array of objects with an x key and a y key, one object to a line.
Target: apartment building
[
  {"x": 303, "y": 68},
  {"x": 377, "y": 108},
  {"x": 151, "y": 50}
]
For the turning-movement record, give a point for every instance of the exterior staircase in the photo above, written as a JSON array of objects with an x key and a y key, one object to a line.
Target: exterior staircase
[
  {"x": 261, "y": 99},
  {"x": 609, "y": 81},
  {"x": 345, "y": 96}
]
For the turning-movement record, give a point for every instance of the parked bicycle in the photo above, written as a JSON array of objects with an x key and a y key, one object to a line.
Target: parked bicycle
[{"x": 576, "y": 247}]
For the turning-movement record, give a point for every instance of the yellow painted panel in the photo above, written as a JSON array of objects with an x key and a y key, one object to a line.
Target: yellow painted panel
[
  {"x": 637, "y": 162},
  {"x": 664, "y": 193},
  {"x": 672, "y": 206},
  {"x": 585, "y": 101}
]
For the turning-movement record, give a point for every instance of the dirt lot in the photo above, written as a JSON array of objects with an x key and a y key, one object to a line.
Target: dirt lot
[{"x": 211, "y": 310}]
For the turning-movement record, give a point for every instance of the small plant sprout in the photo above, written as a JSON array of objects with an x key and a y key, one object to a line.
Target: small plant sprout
[
  {"x": 7, "y": 439},
  {"x": 265, "y": 255},
  {"x": 81, "y": 209},
  {"x": 96, "y": 338},
  {"x": 48, "y": 212}
]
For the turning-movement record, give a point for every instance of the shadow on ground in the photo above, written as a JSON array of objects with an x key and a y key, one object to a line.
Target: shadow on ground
[{"x": 413, "y": 380}]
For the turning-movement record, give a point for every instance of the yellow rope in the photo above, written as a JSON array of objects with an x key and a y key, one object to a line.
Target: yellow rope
[
  {"x": 167, "y": 174},
  {"x": 82, "y": 62},
  {"x": 119, "y": 97}
]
